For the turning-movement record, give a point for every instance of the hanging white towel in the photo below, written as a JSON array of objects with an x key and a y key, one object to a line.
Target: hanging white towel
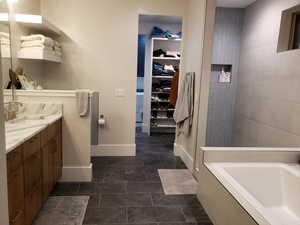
[
  {"x": 82, "y": 102},
  {"x": 183, "y": 114}
]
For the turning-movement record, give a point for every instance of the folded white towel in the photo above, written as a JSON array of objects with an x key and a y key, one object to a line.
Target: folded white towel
[
  {"x": 169, "y": 68},
  {"x": 4, "y": 41},
  {"x": 27, "y": 44},
  {"x": 173, "y": 53},
  {"x": 4, "y": 35},
  {"x": 82, "y": 102},
  {"x": 38, "y": 48},
  {"x": 38, "y": 37}
]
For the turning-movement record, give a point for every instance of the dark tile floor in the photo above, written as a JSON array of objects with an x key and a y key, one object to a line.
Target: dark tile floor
[{"x": 127, "y": 190}]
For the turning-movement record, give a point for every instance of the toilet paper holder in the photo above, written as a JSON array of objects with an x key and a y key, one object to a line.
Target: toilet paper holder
[{"x": 101, "y": 121}]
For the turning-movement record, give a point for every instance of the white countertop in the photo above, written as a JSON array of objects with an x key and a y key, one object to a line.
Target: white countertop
[{"x": 17, "y": 134}]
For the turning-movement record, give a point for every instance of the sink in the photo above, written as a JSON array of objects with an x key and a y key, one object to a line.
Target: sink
[{"x": 21, "y": 124}]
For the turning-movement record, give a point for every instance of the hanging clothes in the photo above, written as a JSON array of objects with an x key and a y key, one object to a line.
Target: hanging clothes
[
  {"x": 174, "y": 89},
  {"x": 183, "y": 114}
]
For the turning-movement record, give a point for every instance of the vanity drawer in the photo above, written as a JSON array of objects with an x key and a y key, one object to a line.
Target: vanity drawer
[
  {"x": 32, "y": 146},
  {"x": 14, "y": 160}
]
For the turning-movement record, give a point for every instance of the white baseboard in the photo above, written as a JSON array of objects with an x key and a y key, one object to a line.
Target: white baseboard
[
  {"x": 113, "y": 150},
  {"x": 77, "y": 174},
  {"x": 185, "y": 157}
]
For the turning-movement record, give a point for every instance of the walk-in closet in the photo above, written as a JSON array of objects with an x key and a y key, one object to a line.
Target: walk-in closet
[{"x": 161, "y": 72}]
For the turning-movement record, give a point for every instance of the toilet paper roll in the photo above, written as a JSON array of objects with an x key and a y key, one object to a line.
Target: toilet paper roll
[{"x": 101, "y": 122}]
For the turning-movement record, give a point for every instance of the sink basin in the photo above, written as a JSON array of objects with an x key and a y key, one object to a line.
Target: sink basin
[{"x": 17, "y": 125}]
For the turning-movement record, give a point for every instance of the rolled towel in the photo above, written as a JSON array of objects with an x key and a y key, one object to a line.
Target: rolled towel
[
  {"x": 82, "y": 102},
  {"x": 38, "y": 37}
]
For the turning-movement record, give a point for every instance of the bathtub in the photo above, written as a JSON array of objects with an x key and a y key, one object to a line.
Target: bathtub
[{"x": 269, "y": 192}]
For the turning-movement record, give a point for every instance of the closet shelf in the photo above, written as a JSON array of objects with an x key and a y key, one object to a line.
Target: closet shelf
[
  {"x": 161, "y": 118},
  {"x": 160, "y": 101},
  {"x": 163, "y": 126},
  {"x": 163, "y": 110},
  {"x": 162, "y": 77},
  {"x": 160, "y": 92},
  {"x": 166, "y": 58},
  {"x": 165, "y": 39}
]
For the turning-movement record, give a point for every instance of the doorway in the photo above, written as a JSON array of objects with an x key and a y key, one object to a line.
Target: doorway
[{"x": 159, "y": 56}]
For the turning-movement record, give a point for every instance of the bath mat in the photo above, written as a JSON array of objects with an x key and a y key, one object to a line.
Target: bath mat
[
  {"x": 63, "y": 210},
  {"x": 178, "y": 182}
]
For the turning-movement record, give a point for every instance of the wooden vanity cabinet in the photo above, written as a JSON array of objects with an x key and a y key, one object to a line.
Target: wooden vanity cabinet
[
  {"x": 32, "y": 159},
  {"x": 15, "y": 180},
  {"x": 52, "y": 157},
  {"x": 32, "y": 171}
]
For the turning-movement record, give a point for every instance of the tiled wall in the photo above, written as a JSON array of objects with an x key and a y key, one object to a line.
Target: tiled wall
[
  {"x": 268, "y": 99},
  {"x": 226, "y": 49}
]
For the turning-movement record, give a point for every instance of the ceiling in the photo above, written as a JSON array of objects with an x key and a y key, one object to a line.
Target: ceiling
[
  {"x": 161, "y": 19},
  {"x": 234, "y": 3}
]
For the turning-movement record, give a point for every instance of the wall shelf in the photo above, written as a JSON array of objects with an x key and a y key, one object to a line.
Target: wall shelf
[
  {"x": 37, "y": 54},
  {"x": 36, "y": 23}
]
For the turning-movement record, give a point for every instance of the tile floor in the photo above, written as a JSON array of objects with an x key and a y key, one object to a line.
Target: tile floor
[{"x": 128, "y": 190}]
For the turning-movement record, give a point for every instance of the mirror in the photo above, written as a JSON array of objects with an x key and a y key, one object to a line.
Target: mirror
[
  {"x": 5, "y": 40},
  {"x": 31, "y": 44}
]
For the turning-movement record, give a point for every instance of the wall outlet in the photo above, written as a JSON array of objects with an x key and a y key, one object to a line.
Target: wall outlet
[{"x": 120, "y": 93}]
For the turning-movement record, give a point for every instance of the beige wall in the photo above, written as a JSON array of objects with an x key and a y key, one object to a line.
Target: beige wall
[
  {"x": 268, "y": 98},
  {"x": 193, "y": 62},
  {"x": 100, "y": 53}
]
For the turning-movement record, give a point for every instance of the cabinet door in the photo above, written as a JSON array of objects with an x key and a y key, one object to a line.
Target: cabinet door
[
  {"x": 32, "y": 171},
  {"x": 16, "y": 199},
  {"x": 19, "y": 219},
  {"x": 49, "y": 168},
  {"x": 60, "y": 153},
  {"x": 51, "y": 161},
  {"x": 33, "y": 203},
  {"x": 47, "y": 173}
]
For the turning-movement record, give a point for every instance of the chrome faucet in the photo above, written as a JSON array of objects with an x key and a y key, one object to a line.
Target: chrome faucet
[{"x": 10, "y": 112}]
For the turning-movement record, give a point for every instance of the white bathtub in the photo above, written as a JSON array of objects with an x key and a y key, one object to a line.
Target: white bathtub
[{"x": 270, "y": 192}]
